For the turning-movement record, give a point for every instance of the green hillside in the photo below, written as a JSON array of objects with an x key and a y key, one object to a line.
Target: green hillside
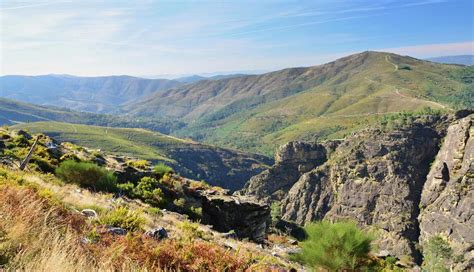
[
  {"x": 224, "y": 167},
  {"x": 258, "y": 113}
]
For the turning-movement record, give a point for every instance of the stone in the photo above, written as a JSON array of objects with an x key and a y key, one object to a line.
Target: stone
[
  {"x": 157, "y": 233},
  {"x": 116, "y": 231},
  {"x": 247, "y": 218},
  {"x": 89, "y": 213},
  {"x": 24, "y": 134}
]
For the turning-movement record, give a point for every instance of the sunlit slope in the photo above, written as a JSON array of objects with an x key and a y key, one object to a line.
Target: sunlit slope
[
  {"x": 352, "y": 93},
  {"x": 225, "y": 167}
]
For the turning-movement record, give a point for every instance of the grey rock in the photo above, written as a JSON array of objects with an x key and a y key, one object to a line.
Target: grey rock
[
  {"x": 376, "y": 178},
  {"x": 24, "y": 134},
  {"x": 116, "y": 231},
  {"x": 291, "y": 160},
  {"x": 447, "y": 200},
  {"x": 157, "y": 233},
  {"x": 249, "y": 219},
  {"x": 89, "y": 213}
]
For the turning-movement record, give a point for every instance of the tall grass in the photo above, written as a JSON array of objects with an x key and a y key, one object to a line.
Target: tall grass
[{"x": 37, "y": 235}]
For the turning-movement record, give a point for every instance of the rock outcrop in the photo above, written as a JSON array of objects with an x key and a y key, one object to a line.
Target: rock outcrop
[
  {"x": 247, "y": 218},
  {"x": 291, "y": 161},
  {"x": 377, "y": 177},
  {"x": 447, "y": 201}
]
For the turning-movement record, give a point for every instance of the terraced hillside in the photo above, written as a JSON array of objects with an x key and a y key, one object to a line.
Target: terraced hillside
[
  {"x": 258, "y": 113},
  {"x": 227, "y": 168}
]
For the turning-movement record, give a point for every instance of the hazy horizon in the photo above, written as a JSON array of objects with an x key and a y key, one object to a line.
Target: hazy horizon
[{"x": 153, "y": 38}]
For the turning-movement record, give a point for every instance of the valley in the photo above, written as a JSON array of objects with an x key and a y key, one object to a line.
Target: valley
[{"x": 226, "y": 168}]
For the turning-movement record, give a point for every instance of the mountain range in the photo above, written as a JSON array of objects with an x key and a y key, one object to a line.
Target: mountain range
[
  {"x": 257, "y": 113},
  {"x": 460, "y": 59},
  {"x": 260, "y": 112},
  {"x": 92, "y": 94}
]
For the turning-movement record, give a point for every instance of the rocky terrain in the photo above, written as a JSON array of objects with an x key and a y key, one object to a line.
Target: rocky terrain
[
  {"x": 407, "y": 181},
  {"x": 234, "y": 229}
]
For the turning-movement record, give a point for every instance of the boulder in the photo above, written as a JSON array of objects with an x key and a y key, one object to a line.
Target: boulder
[
  {"x": 89, "y": 213},
  {"x": 116, "y": 231},
  {"x": 157, "y": 233},
  {"x": 247, "y": 218}
]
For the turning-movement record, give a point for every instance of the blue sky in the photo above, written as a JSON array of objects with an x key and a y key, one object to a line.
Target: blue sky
[{"x": 186, "y": 37}]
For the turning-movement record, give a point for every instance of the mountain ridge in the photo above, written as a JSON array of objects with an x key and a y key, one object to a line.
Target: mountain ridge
[{"x": 255, "y": 112}]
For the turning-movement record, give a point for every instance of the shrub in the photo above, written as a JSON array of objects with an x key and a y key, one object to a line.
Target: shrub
[
  {"x": 87, "y": 175},
  {"x": 275, "y": 211},
  {"x": 147, "y": 190},
  {"x": 162, "y": 169},
  {"x": 123, "y": 218},
  {"x": 334, "y": 246},
  {"x": 139, "y": 164},
  {"x": 436, "y": 254}
]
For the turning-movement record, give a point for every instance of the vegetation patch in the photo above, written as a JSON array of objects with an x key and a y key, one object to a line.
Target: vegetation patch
[
  {"x": 87, "y": 175},
  {"x": 335, "y": 246}
]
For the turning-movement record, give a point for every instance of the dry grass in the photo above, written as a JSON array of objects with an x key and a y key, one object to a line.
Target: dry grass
[{"x": 38, "y": 233}]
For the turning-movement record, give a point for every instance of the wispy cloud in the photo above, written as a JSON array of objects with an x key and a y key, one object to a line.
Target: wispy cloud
[{"x": 35, "y": 5}]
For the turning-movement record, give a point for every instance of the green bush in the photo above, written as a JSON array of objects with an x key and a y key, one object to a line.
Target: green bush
[
  {"x": 123, "y": 218},
  {"x": 436, "y": 254},
  {"x": 147, "y": 190},
  {"x": 139, "y": 164},
  {"x": 162, "y": 169},
  {"x": 87, "y": 175},
  {"x": 334, "y": 246}
]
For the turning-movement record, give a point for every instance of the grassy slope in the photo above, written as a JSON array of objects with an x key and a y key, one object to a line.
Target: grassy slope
[
  {"x": 349, "y": 99},
  {"x": 227, "y": 168}
]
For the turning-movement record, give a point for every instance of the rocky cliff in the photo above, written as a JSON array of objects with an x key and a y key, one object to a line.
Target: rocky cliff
[
  {"x": 384, "y": 179},
  {"x": 447, "y": 200}
]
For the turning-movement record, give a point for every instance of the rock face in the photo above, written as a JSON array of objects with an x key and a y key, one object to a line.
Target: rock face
[
  {"x": 247, "y": 218},
  {"x": 379, "y": 179},
  {"x": 447, "y": 201},
  {"x": 291, "y": 161}
]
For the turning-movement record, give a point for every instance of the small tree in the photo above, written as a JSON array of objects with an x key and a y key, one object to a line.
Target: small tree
[
  {"x": 334, "y": 246},
  {"x": 87, "y": 175},
  {"x": 436, "y": 254}
]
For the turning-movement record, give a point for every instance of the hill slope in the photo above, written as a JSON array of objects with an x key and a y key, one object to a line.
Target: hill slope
[
  {"x": 260, "y": 112},
  {"x": 227, "y": 168},
  {"x": 93, "y": 94}
]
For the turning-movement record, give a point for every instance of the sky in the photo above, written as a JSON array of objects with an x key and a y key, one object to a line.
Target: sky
[{"x": 146, "y": 38}]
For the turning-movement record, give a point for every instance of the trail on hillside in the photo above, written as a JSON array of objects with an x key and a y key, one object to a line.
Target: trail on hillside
[
  {"x": 422, "y": 100},
  {"x": 387, "y": 59},
  {"x": 397, "y": 92}
]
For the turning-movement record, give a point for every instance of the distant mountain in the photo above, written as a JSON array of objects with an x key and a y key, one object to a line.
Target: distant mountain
[
  {"x": 13, "y": 112},
  {"x": 92, "y": 94},
  {"x": 196, "y": 78},
  {"x": 461, "y": 59},
  {"x": 260, "y": 112}
]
